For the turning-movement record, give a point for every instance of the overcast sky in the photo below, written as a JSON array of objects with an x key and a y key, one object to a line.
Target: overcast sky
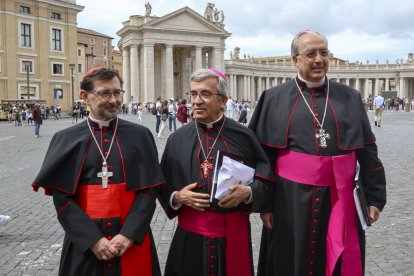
[{"x": 356, "y": 29}]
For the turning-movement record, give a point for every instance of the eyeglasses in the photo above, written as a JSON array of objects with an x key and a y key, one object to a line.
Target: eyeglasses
[
  {"x": 313, "y": 54},
  {"x": 204, "y": 95},
  {"x": 104, "y": 94}
]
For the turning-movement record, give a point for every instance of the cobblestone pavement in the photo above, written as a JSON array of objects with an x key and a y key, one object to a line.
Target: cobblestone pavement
[{"x": 30, "y": 244}]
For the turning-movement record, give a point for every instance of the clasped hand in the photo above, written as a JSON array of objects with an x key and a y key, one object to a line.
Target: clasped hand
[
  {"x": 105, "y": 249},
  {"x": 201, "y": 201}
]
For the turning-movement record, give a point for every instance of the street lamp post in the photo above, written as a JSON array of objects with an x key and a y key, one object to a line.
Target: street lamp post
[
  {"x": 72, "y": 67},
  {"x": 27, "y": 77}
]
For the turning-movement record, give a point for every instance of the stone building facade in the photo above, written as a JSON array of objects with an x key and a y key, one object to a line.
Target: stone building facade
[{"x": 37, "y": 43}]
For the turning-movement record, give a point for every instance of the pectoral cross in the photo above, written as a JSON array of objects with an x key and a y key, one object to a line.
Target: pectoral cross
[
  {"x": 206, "y": 166},
  {"x": 104, "y": 174},
  {"x": 322, "y": 136}
]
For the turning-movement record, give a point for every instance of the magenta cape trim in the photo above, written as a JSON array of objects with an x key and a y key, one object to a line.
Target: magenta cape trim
[
  {"x": 232, "y": 226},
  {"x": 338, "y": 173}
]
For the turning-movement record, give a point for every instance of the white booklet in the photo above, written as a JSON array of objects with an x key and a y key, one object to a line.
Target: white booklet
[{"x": 229, "y": 170}]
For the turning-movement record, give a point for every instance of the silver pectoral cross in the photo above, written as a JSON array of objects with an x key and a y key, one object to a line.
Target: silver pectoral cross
[
  {"x": 322, "y": 136},
  {"x": 104, "y": 174}
]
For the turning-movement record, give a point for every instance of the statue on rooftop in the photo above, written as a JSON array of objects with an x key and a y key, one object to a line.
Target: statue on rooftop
[{"x": 148, "y": 9}]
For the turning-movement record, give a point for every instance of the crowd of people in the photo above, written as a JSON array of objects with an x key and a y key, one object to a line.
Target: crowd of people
[
  {"x": 392, "y": 104},
  {"x": 301, "y": 147}
]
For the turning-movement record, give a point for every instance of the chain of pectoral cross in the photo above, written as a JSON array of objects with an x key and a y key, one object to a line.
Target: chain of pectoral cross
[
  {"x": 322, "y": 136},
  {"x": 104, "y": 174},
  {"x": 206, "y": 165}
]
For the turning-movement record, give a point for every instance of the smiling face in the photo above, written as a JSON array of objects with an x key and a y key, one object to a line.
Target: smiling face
[
  {"x": 312, "y": 62},
  {"x": 207, "y": 111},
  {"x": 103, "y": 108}
]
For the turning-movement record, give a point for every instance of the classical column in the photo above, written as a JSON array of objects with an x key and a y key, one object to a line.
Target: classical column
[
  {"x": 126, "y": 74},
  {"x": 248, "y": 88},
  {"x": 367, "y": 92},
  {"x": 347, "y": 81},
  {"x": 267, "y": 83},
  {"x": 259, "y": 85},
  {"x": 245, "y": 87},
  {"x": 401, "y": 92},
  {"x": 169, "y": 71},
  {"x": 217, "y": 59},
  {"x": 252, "y": 89},
  {"x": 387, "y": 84},
  {"x": 377, "y": 88},
  {"x": 235, "y": 87},
  {"x": 198, "y": 60},
  {"x": 357, "y": 84},
  {"x": 148, "y": 72},
  {"x": 231, "y": 85},
  {"x": 134, "y": 73}
]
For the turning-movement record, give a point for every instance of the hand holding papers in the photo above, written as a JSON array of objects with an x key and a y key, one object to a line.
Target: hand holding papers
[
  {"x": 229, "y": 170},
  {"x": 361, "y": 202}
]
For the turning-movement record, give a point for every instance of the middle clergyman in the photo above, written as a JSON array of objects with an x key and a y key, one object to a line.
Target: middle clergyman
[{"x": 211, "y": 238}]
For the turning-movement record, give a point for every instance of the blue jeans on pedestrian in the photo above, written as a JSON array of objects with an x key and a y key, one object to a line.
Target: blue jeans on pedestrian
[
  {"x": 171, "y": 120},
  {"x": 37, "y": 128},
  {"x": 157, "y": 125}
]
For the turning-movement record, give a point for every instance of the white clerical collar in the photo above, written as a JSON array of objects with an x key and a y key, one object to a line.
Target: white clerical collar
[
  {"x": 210, "y": 125},
  {"x": 310, "y": 84},
  {"x": 100, "y": 122}
]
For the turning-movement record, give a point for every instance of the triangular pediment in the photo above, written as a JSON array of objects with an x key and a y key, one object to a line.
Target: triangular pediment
[{"x": 186, "y": 19}]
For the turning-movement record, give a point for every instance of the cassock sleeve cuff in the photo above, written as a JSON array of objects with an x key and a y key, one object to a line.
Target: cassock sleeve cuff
[
  {"x": 177, "y": 206},
  {"x": 250, "y": 197}
]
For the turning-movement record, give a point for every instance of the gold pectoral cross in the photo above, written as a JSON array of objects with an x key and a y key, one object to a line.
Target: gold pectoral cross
[
  {"x": 206, "y": 166},
  {"x": 104, "y": 174}
]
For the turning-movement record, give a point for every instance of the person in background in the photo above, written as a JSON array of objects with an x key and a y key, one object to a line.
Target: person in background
[{"x": 379, "y": 108}]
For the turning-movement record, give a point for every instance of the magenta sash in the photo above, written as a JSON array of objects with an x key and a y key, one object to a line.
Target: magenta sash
[
  {"x": 338, "y": 173},
  {"x": 233, "y": 226}
]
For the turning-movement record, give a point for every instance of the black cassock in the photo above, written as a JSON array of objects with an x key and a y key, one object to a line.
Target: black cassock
[
  {"x": 87, "y": 211},
  {"x": 193, "y": 253},
  {"x": 282, "y": 122}
]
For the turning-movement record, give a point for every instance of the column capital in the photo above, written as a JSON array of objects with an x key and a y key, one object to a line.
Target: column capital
[{"x": 148, "y": 44}]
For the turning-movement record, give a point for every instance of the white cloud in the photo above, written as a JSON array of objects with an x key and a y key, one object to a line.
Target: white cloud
[{"x": 356, "y": 29}]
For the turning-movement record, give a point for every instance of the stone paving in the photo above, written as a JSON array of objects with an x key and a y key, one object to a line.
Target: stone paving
[{"x": 30, "y": 244}]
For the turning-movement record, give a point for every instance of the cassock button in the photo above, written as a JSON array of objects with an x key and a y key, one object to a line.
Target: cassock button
[
  {"x": 316, "y": 115},
  {"x": 315, "y": 221},
  {"x": 210, "y": 138},
  {"x": 110, "y": 237},
  {"x": 109, "y": 167},
  {"x": 317, "y": 199},
  {"x": 315, "y": 98},
  {"x": 315, "y": 105},
  {"x": 109, "y": 224},
  {"x": 106, "y": 140},
  {"x": 109, "y": 265},
  {"x": 316, "y": 210},
  {"x": 210, "y": 130},
  {"x": 107, "y": 152},
  {"x": 211, "y": 157}
]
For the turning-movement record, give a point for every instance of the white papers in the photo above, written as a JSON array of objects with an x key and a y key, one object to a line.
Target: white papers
[
  {"x": 360, "y": 212},
  {"x": 231, "y": 172}
]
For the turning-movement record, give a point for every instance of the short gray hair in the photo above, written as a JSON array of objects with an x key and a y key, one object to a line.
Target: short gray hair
[
  {"x": 202, "y": 74},
  {"x": 294, "y": 47}
]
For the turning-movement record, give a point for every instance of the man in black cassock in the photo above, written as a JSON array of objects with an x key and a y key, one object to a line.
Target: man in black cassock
[
  {"x": 315, "y": 131},
  {"x": 211, "y": 238},
  {"x": 102, "y": 175}
]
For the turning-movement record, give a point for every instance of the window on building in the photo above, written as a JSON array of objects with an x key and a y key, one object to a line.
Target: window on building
[
  {"x": 92, "y": 51},
  {"x": 92, "y": 41},
  {"x": 24, "y": 9},
  {"x": 104, "y": 50},
  {"x": 104, "y": 42},
  {"x": 79, "y": 52},
  {"x": 57, "y": 69},
  {"x": 56, "y": 40},
  {"x": 55, "y": 15},
  {"x": 24, "y": 93},
  {"x": 26, "y": 64},
  {"x": 25, "y": 35},
  {"x": 105, "y": 63},
  {"x": 80, "y": 68}
]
